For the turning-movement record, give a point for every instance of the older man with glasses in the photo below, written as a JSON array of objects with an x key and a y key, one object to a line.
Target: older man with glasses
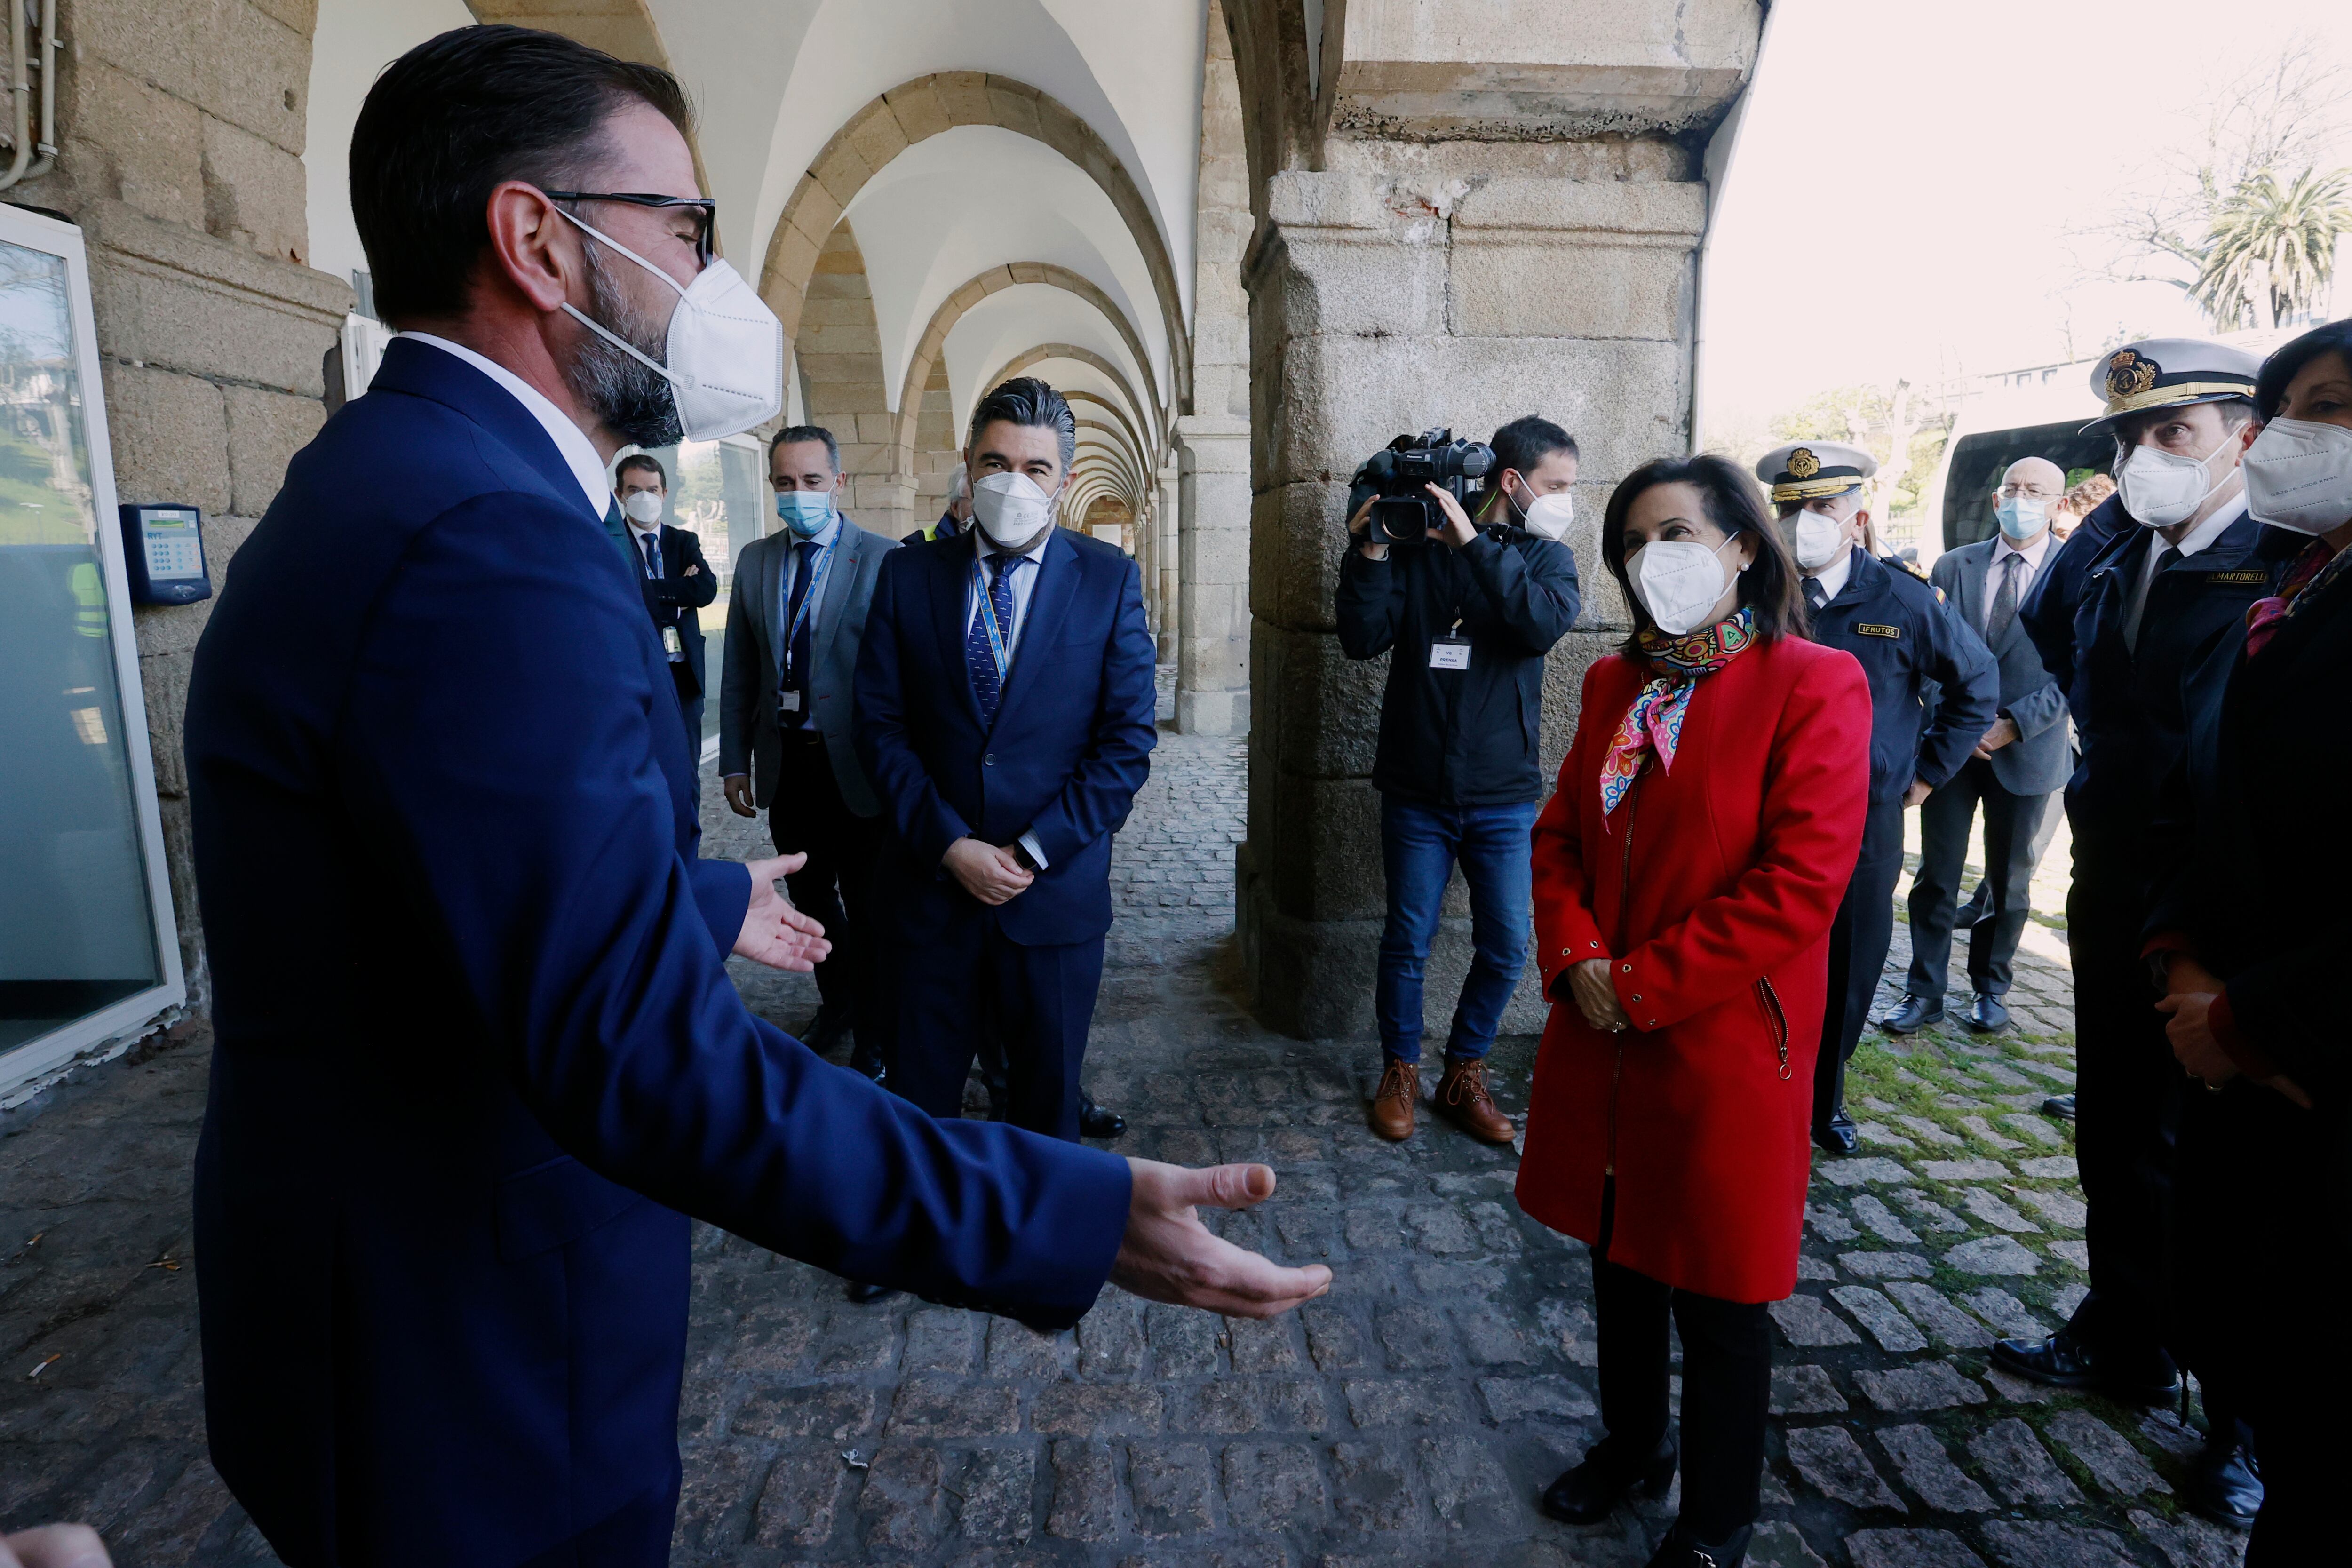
[{"x": 2014, "y": 773}]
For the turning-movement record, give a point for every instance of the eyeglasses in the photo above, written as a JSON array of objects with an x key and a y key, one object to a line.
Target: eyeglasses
[
  {"x": 2024, "y": 492},
  {"x": 706, "y": 212}
]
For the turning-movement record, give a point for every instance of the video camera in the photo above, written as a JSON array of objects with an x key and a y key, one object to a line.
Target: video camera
[{"x": 1404, "y": 511}]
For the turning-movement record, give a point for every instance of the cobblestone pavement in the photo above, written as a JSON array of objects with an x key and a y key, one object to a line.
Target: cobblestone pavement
[{"x": 1410, "y": 1418}]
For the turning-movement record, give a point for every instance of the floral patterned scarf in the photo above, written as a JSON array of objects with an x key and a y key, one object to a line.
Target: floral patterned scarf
[
  {"x": 1655, "y": 722},
  {"x": 2318, "y": 563}
]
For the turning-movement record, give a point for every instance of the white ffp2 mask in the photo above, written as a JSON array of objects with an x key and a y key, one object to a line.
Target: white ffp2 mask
[
  {"x": 2299, "y": 476},
  {"x": 1817, "y": 539},
  {"x": 1010, "y": 508},
  {"x": 726, "y": 349},
  {"x": 1550, "y": 516},
  {"x": 1678, "y": 582},
  {"x": 2162, "y": 489},
  {"x": 644, "y": 509}
]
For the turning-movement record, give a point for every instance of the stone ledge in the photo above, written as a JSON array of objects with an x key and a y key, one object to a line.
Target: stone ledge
[
  {"x": 1624, "y": 212},
  {"x": 129, "y": 232}
]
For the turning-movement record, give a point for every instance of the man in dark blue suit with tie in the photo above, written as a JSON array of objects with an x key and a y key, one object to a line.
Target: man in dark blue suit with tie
[
  {"x": 477, "y": 1058},
  {"x": 1004, "y": 713}
]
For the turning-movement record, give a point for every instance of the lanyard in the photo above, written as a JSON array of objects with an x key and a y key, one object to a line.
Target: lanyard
[
  {"x": 997, "y": 643},
  {"x": 808, "y": 597}
]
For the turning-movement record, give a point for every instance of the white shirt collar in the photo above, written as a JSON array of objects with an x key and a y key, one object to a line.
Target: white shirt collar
[
  {"x": 1035, "y": 555},
  {"x": 579, "y": 454},
  {"x": 2033, "y": 552},
  {"x": 1833, "y": 577},
  {"x": 638, "y": 528},
  {"x": 2207, "y": 531}
]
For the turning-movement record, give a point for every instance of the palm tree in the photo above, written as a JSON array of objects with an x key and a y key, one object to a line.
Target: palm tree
[{"x": 2271, "y": 252}]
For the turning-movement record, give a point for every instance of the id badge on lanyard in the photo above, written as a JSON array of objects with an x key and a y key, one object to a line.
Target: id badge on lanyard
[
  {"x": 788, "y": 699},
  {"x": 1450, "y": 650}
]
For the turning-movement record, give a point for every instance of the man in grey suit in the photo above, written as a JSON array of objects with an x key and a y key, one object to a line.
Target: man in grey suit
[
  {"x": 798, "y": 615},
  {"x": 2015, "y": 773}
]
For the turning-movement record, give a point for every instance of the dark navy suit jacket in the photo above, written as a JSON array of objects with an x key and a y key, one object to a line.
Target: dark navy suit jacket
[
  {"x": 1070, "y": 745},
  {"x": 478, "y": 1057}
]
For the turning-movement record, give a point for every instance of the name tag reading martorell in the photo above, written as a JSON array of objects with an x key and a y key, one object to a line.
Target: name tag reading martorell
[{"x": 1450, "y": 652}]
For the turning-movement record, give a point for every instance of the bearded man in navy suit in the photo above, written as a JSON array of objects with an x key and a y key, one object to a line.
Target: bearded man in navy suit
[
  {"x": 1006, "y": 715},
  {"x": 476, "y": 1057}
]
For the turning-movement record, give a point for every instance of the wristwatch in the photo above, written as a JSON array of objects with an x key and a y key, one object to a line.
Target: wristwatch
[{"x": 1021, "y": 853}]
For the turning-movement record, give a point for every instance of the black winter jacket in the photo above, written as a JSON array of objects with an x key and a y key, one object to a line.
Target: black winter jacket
[{"x": 1460, "y": 737}]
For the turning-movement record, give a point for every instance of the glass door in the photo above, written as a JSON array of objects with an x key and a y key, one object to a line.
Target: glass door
[{"x": 87, "y": 949}]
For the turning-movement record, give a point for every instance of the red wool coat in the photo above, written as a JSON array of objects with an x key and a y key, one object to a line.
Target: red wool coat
[{"x": 1710, "y": 891}]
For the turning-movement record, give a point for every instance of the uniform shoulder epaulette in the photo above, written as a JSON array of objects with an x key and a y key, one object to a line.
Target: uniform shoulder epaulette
[{"x": 1914, "y": 568}]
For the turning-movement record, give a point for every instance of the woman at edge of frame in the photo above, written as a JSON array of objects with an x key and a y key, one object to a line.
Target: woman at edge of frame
[
  {"x": 2247, "y": 945},
  {"x": 1687, "y": 869}
]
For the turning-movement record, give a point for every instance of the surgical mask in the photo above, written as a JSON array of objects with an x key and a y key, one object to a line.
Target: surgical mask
[
  {"x": 725, "y": 350},
  {"x": 2299, "y": 476},
  {"x": 1010, "y": 508},
  {"x": 643, "y": 507},
  {"x": 1549, "y": 517},
  {"x": 1678, "y": 582},
  {"x": 2021, "y": 517},
  {"x": 1817, "y": 540},
  {"x": 2162, "y": 489},
  {"x": 805, "y": 512}
]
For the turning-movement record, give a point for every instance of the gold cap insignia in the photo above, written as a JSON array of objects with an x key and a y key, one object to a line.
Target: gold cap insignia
[
  {"x": 1802, "y": 464},
  {"x": 2129, "y": 375}
]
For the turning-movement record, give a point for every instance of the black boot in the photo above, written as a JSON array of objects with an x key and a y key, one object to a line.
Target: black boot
[
  {"x": 2225, "y": 1484},
  {"x": 1094, "y": 1121},
  {"x": 1681, "y": 1549},
  {"x": 1586, "y": 1494}
]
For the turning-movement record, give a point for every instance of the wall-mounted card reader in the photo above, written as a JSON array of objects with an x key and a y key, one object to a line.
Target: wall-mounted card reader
[{"x": 163, "y": 545}]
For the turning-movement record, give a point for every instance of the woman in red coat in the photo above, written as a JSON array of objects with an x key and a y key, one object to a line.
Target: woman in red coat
[{"x": 1686, "y": 872}]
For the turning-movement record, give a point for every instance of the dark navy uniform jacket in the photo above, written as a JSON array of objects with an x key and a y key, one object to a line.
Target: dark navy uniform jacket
[
  {"x": 1935, "y": 688},
  {"x": 478, "y": 1056},
  {"x": 2131, "y": 705}
]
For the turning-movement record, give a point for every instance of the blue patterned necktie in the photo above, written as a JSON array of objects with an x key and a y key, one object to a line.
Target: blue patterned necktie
[
  {"x": 802, "y": 631},
  {"x": 653, "y": 561},
  {"x": 986, "y": 684}
]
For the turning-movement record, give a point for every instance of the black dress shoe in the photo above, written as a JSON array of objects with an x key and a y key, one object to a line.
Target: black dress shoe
[
  {"x": 863, "y": 1294},
  {"x": 2225, "y": 1484},
  {"x": 1682, "y": 1549},
  {"x": 1912, "y": 1012},
  {"x": 2062, "y": 1361},
  {"x": 1838, "y": 1135},
  {"x": 2061, "y": 1106},
  {"x": 1094, "y": 1121},
  {"x": 1986, "y": 1014},
  {"x": 1586, "y": 1494},
  {"x": 825, "y": 1029}
]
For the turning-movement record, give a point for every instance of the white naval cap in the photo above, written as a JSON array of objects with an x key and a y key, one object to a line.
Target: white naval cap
[
  {"x": 2164, "y": 372},
  {"x": 1808, "y": 470}
]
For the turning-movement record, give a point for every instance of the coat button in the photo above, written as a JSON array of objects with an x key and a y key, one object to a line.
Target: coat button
[{"x": 989, "y": 761}]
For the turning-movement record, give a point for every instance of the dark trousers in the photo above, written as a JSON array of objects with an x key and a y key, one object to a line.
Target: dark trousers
[
  {"x": 2127, "y": 1094},
  {"x": 835, "y": 888},
  {"x": 1040, "y": 1001},
  {"x": 1727, "y": 1384},
  {"x": 1859, "y": 938},
  {"x": 636, "y": 1535},
  {"x": 2013, "y": 841}
]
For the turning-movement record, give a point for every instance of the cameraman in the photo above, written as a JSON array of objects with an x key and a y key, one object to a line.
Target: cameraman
[{"x": 1468, "y": 614}]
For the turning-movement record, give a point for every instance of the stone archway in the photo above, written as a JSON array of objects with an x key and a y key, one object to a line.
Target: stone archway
[
  {"x": 923, "y": 108},
  {"x": 926, "y": 363},
  {"x": 1084, "y": 356}
]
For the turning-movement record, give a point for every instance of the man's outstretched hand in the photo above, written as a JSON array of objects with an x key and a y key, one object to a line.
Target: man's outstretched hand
[
  {"x": 54, "y": 1546},
  {"x": 1169, "y": 1255},
  {"x": 775, "y": 933}
]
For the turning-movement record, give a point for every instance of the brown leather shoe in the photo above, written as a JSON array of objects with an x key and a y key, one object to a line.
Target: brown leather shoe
[
  {"x": 1398, "y": 1097},
  {"x": 1462, "y": 1099}
]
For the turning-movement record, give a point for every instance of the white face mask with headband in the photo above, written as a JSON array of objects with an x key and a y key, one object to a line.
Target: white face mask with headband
[
  {"x": 1548, "y": 516},
  {"x": 1678, "y": 582},
  {"x": 1011, "y": 509},
  {"x": 2164, "y": 488},
  {"x": 725, "y": 353}
]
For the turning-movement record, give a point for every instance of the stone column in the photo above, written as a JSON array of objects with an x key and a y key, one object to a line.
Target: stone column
[
  {"x": 1214, "y": 502},
  {"x": 1391, "y": 292},
  {"x": 1166, "y": 561}
]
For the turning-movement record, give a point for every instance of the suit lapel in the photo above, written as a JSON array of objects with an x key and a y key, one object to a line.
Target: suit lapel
[
  {"x": 1049, "y": 607},
  {"x": 839, "y": 579},
  {"x": 950, "y": 573}
]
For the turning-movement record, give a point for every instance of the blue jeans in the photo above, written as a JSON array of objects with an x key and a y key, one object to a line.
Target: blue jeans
[{"x": 1419, "y": 846}]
